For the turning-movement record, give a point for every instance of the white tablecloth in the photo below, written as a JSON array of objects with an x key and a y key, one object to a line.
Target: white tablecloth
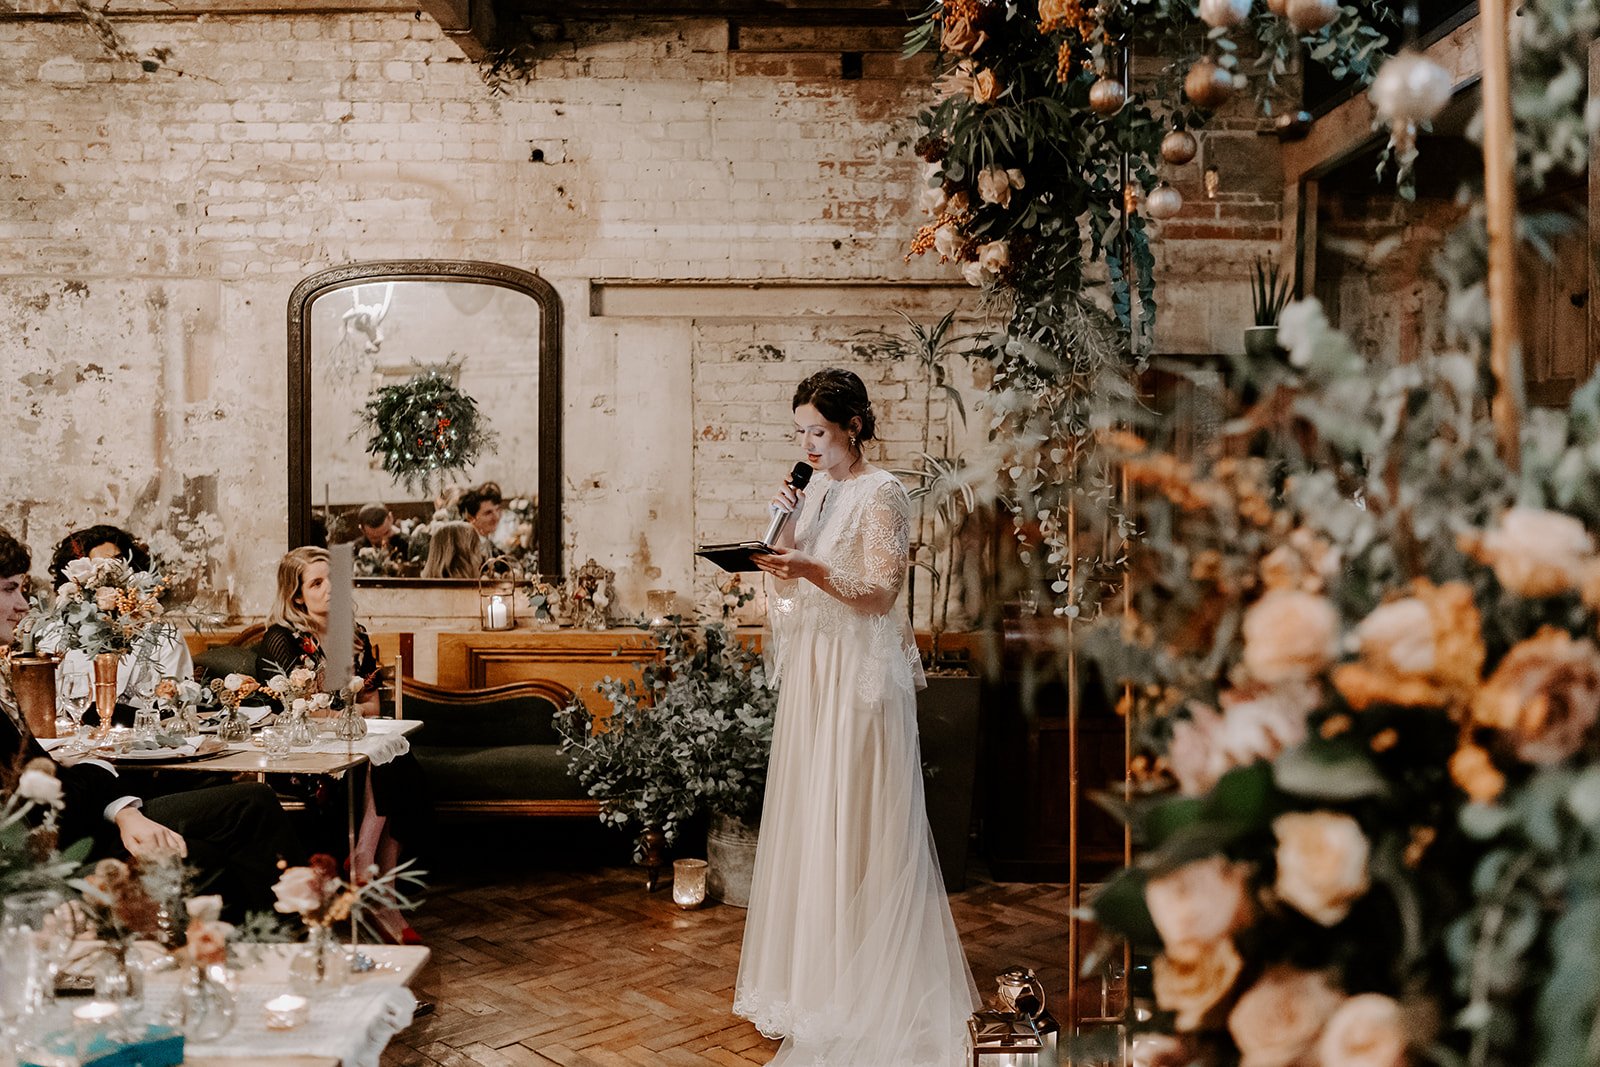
[{"x": 354, "y": 1024}]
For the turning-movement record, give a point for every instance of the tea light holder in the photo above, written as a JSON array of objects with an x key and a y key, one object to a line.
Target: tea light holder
[
  {"x": 688, "y": 883},
  {"x": 660, "y": 605},
  {"x": 497, "y": 594},
  {"x": 285, "y": 1012}
]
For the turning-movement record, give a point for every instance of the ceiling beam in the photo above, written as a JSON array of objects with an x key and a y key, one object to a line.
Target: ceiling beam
[{"x": 469, "y": 23}]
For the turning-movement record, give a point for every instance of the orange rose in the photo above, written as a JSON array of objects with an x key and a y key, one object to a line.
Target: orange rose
[
  {"x": 962, "y": 37},
  {"x": 1192, "y": 986},
  {"x": 1544, "y": 696},
  {"x": 1473, "y": 770},
  {"x": 986, "y": 88}
]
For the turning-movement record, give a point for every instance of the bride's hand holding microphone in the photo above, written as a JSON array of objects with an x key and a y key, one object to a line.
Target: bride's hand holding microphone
[{"x": 785, "y": 561}]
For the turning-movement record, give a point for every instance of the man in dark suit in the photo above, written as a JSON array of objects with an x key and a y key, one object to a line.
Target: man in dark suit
[{"x": 232, "y": 835}]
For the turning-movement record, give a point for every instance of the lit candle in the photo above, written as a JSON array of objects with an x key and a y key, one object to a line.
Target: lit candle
[
  {"x": 497, "y": 613},
  {"x": 96, "y": 1013},
  {"x": 285, "y": 1012},
  {"x": 688, "y": 883}
]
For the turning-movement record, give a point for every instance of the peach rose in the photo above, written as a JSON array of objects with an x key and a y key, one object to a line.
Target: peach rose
[
  {"x": 204, "y": 909},
  {"x": 974, "y": 274},
  {"x": 1158, "y": 1050},
  {"x": 1196, "y": 756},
  {"x": 961, "y": 36},
  {"x": 1425, "y": 649},
  {"x": 1473, "y": 770},
  {"x": 1193, "y": 986},
  {"x": 1262, "y": 725},
  {"x": 167, "y": 689},
  {"x": 208, "y": 941},
  {"x": 1289, "y": 636},
  {"x": 1544, "y": 696},
  {"x": 1278, "y": 1020},
  {"x": 947, "y": 242},
  {"x": 1198, "y": 905},
  {"x": 1534, "y": 552},
  {"x": 1399, "y": 634},
  {"x": 986, "y": 88},
  {"x": 298, "y": 889},
  {"x": 1367, "y": 1030},
  {"x": 935, "y": 200},
  {"x": 105, "y": 598},
  {"x": 1322, "y": 863}
]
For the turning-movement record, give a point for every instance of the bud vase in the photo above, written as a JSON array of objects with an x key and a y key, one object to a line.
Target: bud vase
[
  {"x": 302, "y": 731},
  {"x": 233, "y": 727},
  {"x": 350, "y": 726},
  {"x": 120, "y": 979},
  {"x": 105, "y": 687},
  {"x": 320, "y": 965},
  {"x": 205, "y": 1006}
]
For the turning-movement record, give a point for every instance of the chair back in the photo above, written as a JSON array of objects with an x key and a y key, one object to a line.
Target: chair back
[{"x": 517, "y": 714}]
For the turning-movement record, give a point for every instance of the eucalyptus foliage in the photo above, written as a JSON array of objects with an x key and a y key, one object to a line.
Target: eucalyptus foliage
[{"x": 692, "y": 737}]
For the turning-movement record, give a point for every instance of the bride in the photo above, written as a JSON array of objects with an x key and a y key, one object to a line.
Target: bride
[{"x": 850, "y": 953}]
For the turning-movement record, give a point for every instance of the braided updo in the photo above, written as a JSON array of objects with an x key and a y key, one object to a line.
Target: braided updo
[{"x": 841, "y": 396}]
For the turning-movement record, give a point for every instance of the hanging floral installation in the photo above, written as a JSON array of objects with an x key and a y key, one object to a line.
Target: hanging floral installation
[
  {"x": 425, "y": 429},
  {"x": 1028, "y": 196}
]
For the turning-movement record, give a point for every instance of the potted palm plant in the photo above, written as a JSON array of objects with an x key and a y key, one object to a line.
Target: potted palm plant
[
  {"x": 691, "y": 737},
  {"x": 1269, "y": 294}
]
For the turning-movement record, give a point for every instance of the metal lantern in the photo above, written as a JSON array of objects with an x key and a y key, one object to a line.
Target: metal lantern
[
  {"x": 1222, "y": 14},
  {"x": 1179, "y": 147},
  {"x": 1106, "y": 97},
  {"x": 1012, "y": 1039},
  {"x": 497, "y": 593},
  {"x": 1163, "y": 202},
  {"x": 1309, "y": 16}
]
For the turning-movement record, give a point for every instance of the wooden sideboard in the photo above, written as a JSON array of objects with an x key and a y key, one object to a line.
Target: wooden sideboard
[{"x": 574, "y": 659}]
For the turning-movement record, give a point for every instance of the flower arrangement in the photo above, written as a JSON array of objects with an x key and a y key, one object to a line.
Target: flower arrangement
[
  {"x": 734, "y": 595},
  {"x": 103, "y": 606},
  {"x": 320, "y": 897},
  {"x": 234, "y": 689},
  {"x": 692, "y": 737},
  {"x": 1365, "y": 673},
  {"x": 589, "y": 595},
  {"x": 30, "y": 804},
  {"x": 425, "y": 428}
]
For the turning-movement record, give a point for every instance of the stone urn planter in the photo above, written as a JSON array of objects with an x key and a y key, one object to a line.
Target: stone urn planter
[
  {"x": 730, "y": 859},
  {"x": 1261, "y": 342}
]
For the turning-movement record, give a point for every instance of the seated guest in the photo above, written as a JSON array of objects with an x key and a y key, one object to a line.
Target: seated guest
[
  {"x": 396, "y": 808},
  {"x": 232, "y": 835},
  {"x": 162, "y": 652},
  {"x": 454, "y": 551},
  {"x": 481, "y": 507},
  {"x": 376, "y": 524}
]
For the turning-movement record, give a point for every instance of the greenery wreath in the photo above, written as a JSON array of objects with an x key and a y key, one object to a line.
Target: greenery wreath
[{"x": 425, "y": 428}]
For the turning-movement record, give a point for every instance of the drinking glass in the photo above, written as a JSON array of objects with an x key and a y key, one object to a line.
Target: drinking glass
[
  {"x": 35, "y": 934},
  {"x": 74, "y": 694},
  {"x": 275, "y": 739},
  {"x": 146, "y": 722}
]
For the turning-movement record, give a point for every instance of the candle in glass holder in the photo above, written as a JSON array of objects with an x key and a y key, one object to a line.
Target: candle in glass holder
[
  {"x": 285, "y": 1012},
  {"x": 688, "y": 883}
]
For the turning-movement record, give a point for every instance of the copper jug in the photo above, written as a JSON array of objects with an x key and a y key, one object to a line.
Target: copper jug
[{"x": 1013, "y": 983}]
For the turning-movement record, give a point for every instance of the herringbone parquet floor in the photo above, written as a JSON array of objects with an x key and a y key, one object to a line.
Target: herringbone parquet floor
[{"x": 585, "y": 969}]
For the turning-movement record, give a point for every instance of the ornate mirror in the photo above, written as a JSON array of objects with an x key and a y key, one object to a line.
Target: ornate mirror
[{"x": 412, "y": 384}]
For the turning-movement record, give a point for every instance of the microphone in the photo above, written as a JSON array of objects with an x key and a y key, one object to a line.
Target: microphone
[{"x": 797, "y": 478}]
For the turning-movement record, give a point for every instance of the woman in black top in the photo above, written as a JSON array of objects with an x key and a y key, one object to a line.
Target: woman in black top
[{"x": 398, "y": 809}]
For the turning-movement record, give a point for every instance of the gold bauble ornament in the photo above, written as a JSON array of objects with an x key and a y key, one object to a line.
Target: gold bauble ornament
[
  {"x": 1179, "y": 147},
  {"x": 1208, "y": 85},
  {"x": 1163, "y": 202},
  {"x": 1279, "y": 8},
  {"x": 1309, "y": 16},
  {"x": 1106, "y": 97},
  {"x": 1224, "y": 14}
]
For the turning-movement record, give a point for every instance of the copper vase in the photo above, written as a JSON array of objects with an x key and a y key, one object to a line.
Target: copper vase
[
  {"x": 33, "y": 678},
  {"x": 105, "y": 688}
]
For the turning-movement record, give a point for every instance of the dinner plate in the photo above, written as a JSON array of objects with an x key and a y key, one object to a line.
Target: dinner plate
[{"x": 207, "y": 748}]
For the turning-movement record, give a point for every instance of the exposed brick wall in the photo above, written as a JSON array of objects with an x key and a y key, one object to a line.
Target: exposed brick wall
[{"x": 153, "y": 226}]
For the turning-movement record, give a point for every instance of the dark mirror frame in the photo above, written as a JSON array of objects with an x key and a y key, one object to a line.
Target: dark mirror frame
[{"x": 428, "y": 270}]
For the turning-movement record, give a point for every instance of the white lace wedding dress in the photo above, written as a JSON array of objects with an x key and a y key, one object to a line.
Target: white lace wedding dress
[{"x": 850, "y": 952}]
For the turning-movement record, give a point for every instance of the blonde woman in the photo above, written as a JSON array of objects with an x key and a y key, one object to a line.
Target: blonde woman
[{"x": 453, "y": 552}]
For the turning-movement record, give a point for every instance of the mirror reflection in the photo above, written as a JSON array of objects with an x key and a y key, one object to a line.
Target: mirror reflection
[{"x": 425, "y": 428}]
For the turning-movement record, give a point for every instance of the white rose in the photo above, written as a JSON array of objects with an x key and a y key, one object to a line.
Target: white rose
[
  {"x": 995, "y": 256},
  {"x": 1289, "y": 636},
  {"x": 1366, "y": 1031},
  {"x": 1198, "y": 905},
  {"x": 994, "y": 186},
  {"x": 105, "y": 598},
  {"x": 278, "y": 683},
  {"x": 232, "y": 682},
  {"x": 1322, "y": 863},
  {"x": 946, "y": 242},
  {"x": 204, "y": 909},
  {"x": 298, "y": 889},
  {"x": 40, "y": 787},
  {"x": 935, "y": 200},
  {"x": 1264, "y": 726},
  {"x": 1276, "y": 1022},
  {"x": 1538, "y": 553},
  {"x": 79, "y": 571},
  {"x": 1399, "y": 633},
  {"x": 69, "y": 591},
  {"x": 1196, "y": 755},
  {"x": 974, "y": 274}
]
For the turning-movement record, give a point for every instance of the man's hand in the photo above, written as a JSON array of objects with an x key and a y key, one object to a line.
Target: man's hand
[{"x": 144, "y": 837}]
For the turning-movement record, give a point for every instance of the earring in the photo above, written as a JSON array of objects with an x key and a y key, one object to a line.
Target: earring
[{"x": 853, "y": 446}]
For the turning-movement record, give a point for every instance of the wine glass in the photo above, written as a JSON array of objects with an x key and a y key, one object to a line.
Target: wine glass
[{"x": 73, "y": 696}]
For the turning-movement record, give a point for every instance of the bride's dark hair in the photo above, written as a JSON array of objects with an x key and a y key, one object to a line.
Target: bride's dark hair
[{"x": 841, "y": 396}]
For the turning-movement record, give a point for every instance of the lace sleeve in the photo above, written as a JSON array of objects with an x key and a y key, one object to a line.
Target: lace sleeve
[{"x": 872, "y": 584}]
